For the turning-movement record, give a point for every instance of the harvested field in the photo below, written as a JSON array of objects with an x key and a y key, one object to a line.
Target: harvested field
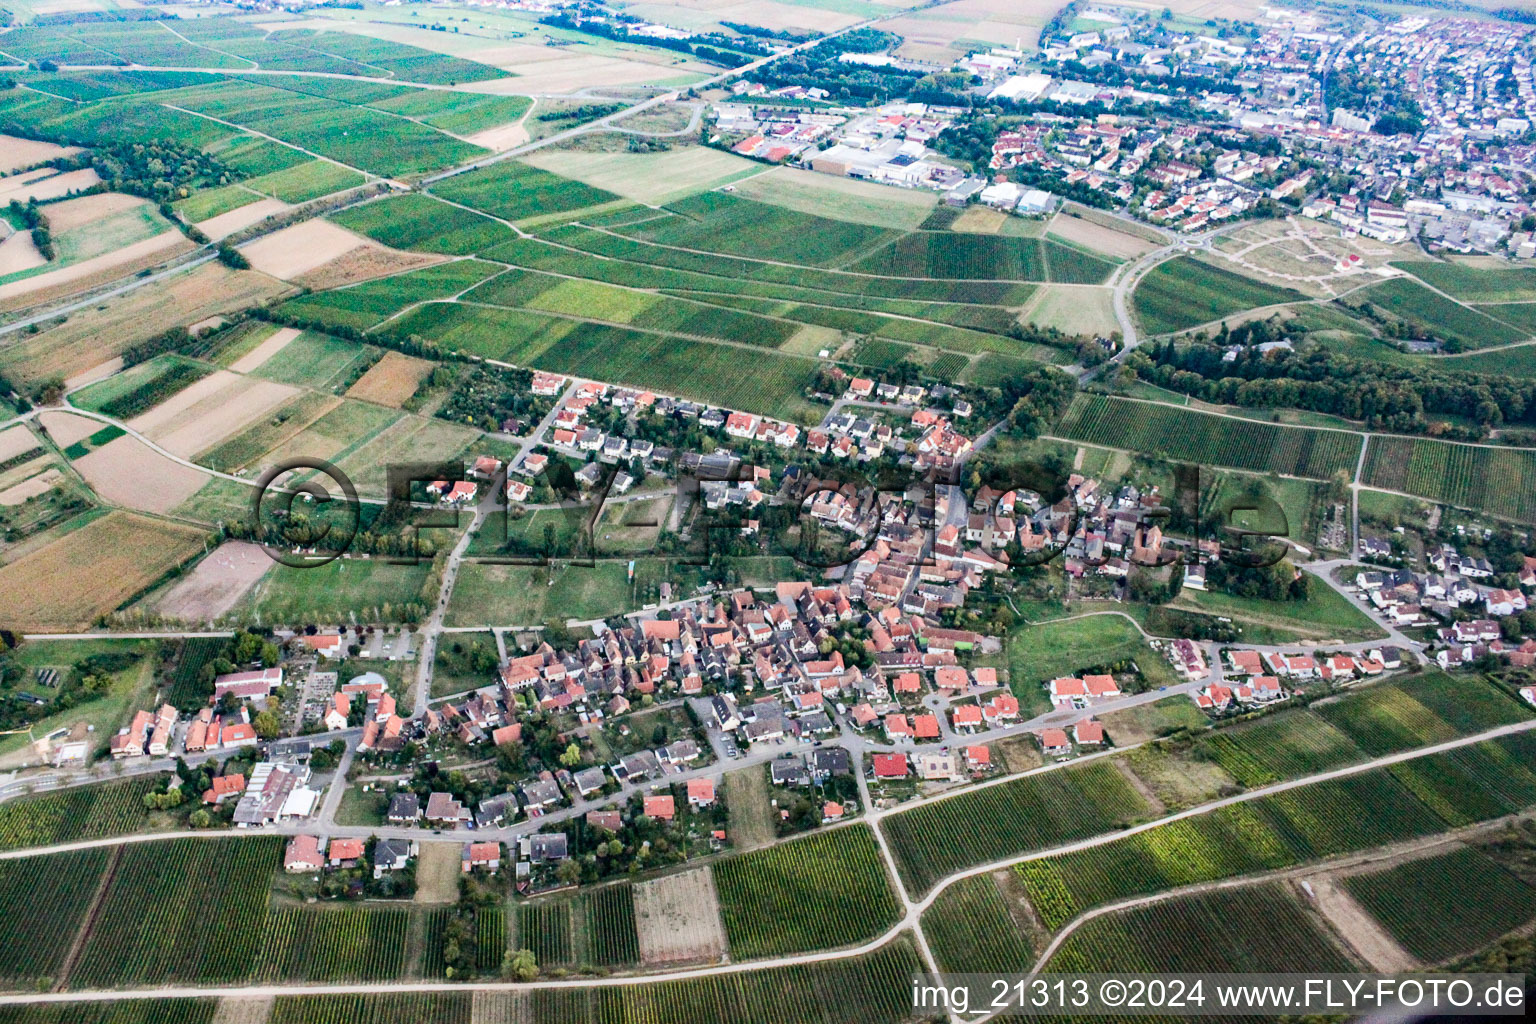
[
  {"x": 209, "y": 411},
  {"x": 128, "y": 472},
  {"x": 678, "y": 918},
  {"x": 46, "y": 186},
  {"x": 301, "y": 248},
  {"x": 437, "y": 871},
  {"x": 15, "y": 440},
  {"x": 747, "y": 795},
  {"x": 18, "y": 253},
  {"x": 503, "y": 136},
  {"x": 365, "y": 263},
  {"x": 228, "y": 223},
  {"x": 30, "y": 488},
  {"x": 92, "y": 337},
  {"x": 266, "y": 350},
  {"x": 1073, "y": 308},
  {"x": 391, "y": 380},
  {"x": 15, "y": 152},
  {"x": 66, "y": 428},
  {"x": 96, "y": 270},
  {"x": 1098, "y": 237},
  {"x": 76, "y": 213},
  {"x": 91, "y": 570},
  {"x": 216, "y": 583},
  {"x": 979, "y": 220}
]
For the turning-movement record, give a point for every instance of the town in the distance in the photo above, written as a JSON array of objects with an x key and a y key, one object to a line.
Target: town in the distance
[{"x": 562, "y": 512}]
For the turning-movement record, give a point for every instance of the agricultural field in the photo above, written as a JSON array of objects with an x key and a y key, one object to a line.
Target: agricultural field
[
  {"x": 356, "y": 943},
  {"x": 417, "y": 221},
  {"x": 517, "y": 192},
  {"x": 187, "y": 686},
  {"x": 371, "y": 589},
  {"x": 1436, "y": 315},
  {"x": 1357, "y": 812},
  {"x": 1474, "y": 284},
  {"x": 1045, "y": 809},
  {"x": 970, "y": 930},
  {"x": 1398, "y": 715},
  {"x": 828, "y": 889},
  {"x": 646, "y": 177},
  {"x": 156, "y": 909},
  {"x": 1324, "y": 615},
  {"x": 364, "y": 305},
  {"x": 1277, "y": 747},
  {"x": 950, "y": 255},
  {"x": 1185, "y": 292},
  {"x": 126, "y": 395},
  {"x": 1209, "y": 440},
  {"x": 72, "y": 815},
  {"x": 1252, "y": 929},
  {"x": 93, "y": 567},
  {"x": 1500, "y": 481},
  {"x": 36, "y": 934},
  {"x": 1445, "y": 906}
]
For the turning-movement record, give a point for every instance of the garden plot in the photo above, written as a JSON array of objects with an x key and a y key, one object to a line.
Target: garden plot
[
  {"x": 266, "y": 350},
  {"x": 128, "y": 472},
  {"x": 299, "y": 249},
  {"x": 209, "y": 411},
  {"x": 215, "y": 584},
  {"x": 678, "y": 917}
]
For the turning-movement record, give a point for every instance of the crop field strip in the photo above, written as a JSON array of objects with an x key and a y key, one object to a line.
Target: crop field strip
[
  {"x": 1204, "y": 439},
  {"x": 137, "y": 1011},
  {"x": 1419, "y": 711},
  {"x": 1273, "y": 831},
  {"x": 1253, "y": 929},
  {"x": 187, "y": 686},
  {"x": 1029, "y": 813},
  {"x": 153, "y": 920},
  {"x": 36, "y": 933},
  {"x": 1441, "y": 317},
  {"x": 1278, "y": 747},
  {"x": 828, "y": 889},
  {"x": 1185, "y": 292},
  {"x": 367, "y": 304},
  {"x": 1445, "y": 906},
  {"x": 969, "y": 929},
  {"x": 608, "y": 925},
  {"x": 1501, "y": 481},
  {"x": 73, "y": 815},
  {"x": 351, "y": 943}
]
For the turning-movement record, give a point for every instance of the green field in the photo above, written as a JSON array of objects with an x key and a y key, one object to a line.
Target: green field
[
  {"x": 364, "y": 305},
  {"x": 336, "y": 590},
  {"x": 154, "y": 914},
  {"x": 1436, "y": 315},
  {"x": 305, "y": 182},
  {"x": 1184, "y": 435},
  {"x": 1254, "y": 929},
  {"x": 1349, "y": 814},
  {"x": 1445, "y": 906},
  {"x": 1501, "y": 481},
  {"x": 71, "y": 815},
  {"x": 1041, "y": 810},
  {"x": 36, "y": 934},
  {"x": 828, "y": 889},
  {"x": 1475, "y": 284},
  {"x": 969, "y": 929},
  {"x": 140, "y": 388},
  {"x": 417, "y": 221},
  {"x": 316, "y": 360},
  {"x": 1185, "y": 292},
  {"x": 1039, "y": 652},
  {"x": 356, "y": 943},
  {"x": 1276, "y": 747},
  {"x": 1324, "y": 615},
  {"x": 765, "y": 382},
  {"x": 514, "y": 191}
]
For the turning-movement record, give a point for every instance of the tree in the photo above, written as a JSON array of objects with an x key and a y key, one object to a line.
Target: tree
[
  {"x": 266, "y": 725},
  {"x": 520, "y": 965},
  {"x": 200, "y": 818},
  {"x": 572, "y": 756},
  {"x": 568, "y": 871}
]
